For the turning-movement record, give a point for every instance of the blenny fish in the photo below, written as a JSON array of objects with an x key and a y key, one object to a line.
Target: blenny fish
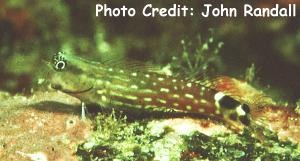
[{"x": 117, "y": 86}]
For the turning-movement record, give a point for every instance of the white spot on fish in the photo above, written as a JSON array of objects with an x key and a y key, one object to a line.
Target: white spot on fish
[
  {"x": 151, "y": 106},
  {"x": 147, "y": 75},
  {"x": 131, "y": 97},
  {"x": 148, "y": 91},
  {"x": 103, "y": 91},
  {"x": 134, "y": 74},
  {"x": 103, "y": 98},
  {"x": 240, "y": 111},
  {"x": 116, "y": 94},
  {"x": 218, "y": 96},
  {"x": 188, "y": 107},
  {"x": 175, "y": 104},
  {"x": 176, "y": 96},
  {"x": 202, "y": 91},
  {"x": 161, "y": 79},
  {"x": 148, "y": 99},
  {"x": 162, "y": 101},
  {"x": 117, "y": 86},
  {"x": 119, "y": 78},
  {"x": 189, "y": 85},
  {"x": 164, "y": 90},
  {"x": 203, "y": 101},
  {"x": 134, "y": 87},
  {"x": 189, "y": 96}
]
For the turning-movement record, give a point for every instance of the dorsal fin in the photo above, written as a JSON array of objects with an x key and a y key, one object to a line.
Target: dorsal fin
[
  {"x": 119, "y": 63},
  {"x": 241, "y": 91},
  {"x": 136, "y": 66}
]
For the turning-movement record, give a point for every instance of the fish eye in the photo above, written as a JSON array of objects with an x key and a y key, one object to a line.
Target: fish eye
[
  {"x": 59, "y": 62},
  {"x": 60, "y": 65}
]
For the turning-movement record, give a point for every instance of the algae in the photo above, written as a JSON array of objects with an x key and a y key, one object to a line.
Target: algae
[{"x": 34, "y": 118}]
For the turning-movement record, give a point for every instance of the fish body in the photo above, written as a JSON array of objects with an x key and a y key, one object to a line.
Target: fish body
[
  {"x": 108, "y": 86},
  {"x": 234, "y": 101}
]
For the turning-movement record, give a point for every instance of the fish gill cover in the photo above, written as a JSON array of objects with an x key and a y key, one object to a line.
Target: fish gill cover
[{"x": 134, "y": 80}]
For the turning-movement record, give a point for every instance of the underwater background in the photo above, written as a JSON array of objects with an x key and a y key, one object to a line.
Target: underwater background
[
  {"x": 33, "y": 30},
  {"x": 262, "y": 51}
]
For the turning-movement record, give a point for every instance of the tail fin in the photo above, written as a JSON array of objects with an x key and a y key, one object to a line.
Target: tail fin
[{"x": 241, "y": 91}]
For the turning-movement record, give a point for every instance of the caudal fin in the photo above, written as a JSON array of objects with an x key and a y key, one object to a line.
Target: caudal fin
[{"x": 241, "y": 91}]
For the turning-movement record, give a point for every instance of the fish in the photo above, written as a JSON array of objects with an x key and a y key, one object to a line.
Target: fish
[{"x": 122, "y": 87}]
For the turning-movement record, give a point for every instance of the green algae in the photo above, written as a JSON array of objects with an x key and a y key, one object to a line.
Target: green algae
[
  {"x": 242, "y": 147},
  {"x": 116, "y": 139},
  {"x": 113, "y": 138}
]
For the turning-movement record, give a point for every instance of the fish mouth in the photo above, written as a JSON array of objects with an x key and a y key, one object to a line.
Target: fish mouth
[{"x": 59, "y": 87}]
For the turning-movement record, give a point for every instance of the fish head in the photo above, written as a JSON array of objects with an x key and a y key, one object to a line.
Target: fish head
[{"x": 68, "y": 76}]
